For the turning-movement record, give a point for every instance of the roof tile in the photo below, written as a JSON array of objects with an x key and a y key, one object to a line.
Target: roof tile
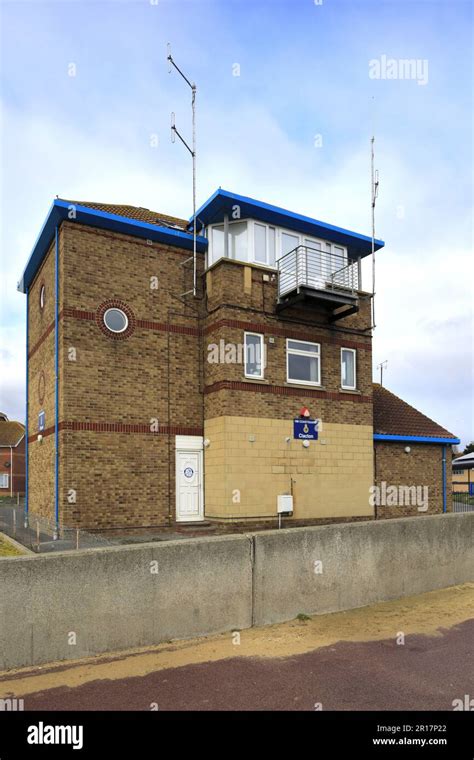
[
  {"x": 134, "y": 212},
  {"x": 11, "y": 433},
  {"x": 392, "y": 416}
]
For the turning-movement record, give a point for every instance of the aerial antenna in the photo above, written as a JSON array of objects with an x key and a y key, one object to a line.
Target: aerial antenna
[
  {"x": 374, "y": 193},
  {"x": 192, "y": 151},
  {"x": 381, "y": 367}
]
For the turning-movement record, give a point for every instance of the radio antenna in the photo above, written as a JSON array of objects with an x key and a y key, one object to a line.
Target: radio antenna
[
  {"x": 374, "y": 193},
  {"x": 381, "y": 367},
  {"x": 192, "y": 151}
]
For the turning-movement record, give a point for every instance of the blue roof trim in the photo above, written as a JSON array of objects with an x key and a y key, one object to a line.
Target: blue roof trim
[
  {"x": 221, "y": 202},
  {"x": 59, "y": 212},
  {"x": 415, "y": 438}
]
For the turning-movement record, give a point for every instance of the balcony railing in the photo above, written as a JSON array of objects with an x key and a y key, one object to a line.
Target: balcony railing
[{"x": 305, "y": 267}]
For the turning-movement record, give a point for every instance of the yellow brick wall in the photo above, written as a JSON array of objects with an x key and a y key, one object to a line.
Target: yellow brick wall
[{"x": 331, "y": 478}]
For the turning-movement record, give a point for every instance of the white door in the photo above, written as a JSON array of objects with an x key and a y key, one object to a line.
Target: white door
[{"x": 189, "y": 496}]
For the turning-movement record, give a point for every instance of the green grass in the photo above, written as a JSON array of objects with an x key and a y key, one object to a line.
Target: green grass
[{"x": 7, "y": 549}]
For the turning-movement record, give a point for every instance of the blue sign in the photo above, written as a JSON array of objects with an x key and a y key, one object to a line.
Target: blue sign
[
  {"x": 305, "y": 430},
  {"x": 41, "y": 421}
]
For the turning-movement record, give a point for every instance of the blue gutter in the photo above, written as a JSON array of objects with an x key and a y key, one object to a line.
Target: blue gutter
[
  {"x": 26, "y": 421},
  {"x": 62, "y": 211},
  {"x": 222, "y": 202},
  {"x": 56, "y": 382},
  {"x": 443, "y": 457},
  {"x": 415, "y": 439}
]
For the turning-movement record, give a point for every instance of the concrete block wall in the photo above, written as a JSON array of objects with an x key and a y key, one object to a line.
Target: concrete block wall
[{"x": 136, "y": 596}]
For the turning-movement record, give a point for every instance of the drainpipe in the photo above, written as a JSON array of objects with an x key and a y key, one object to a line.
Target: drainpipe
[
  {"x": 443, "y": 459},
  {"x": 26, "y": 421},
  {"x": 56, "y": 385},
  {"x": 11, "y": 472}
]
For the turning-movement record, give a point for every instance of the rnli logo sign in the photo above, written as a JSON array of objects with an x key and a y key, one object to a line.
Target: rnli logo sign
[{"x": 305, "y": 430}]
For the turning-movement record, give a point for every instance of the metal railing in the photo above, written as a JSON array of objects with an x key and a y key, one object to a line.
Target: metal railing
[
  {"x": 463, "y": 501},
  {"x": 320, "y": 270},
  {"x": 39, "y": 533}
]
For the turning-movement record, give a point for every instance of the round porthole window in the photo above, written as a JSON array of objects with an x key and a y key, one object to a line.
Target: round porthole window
[
  {"x": 115, "y": 320},
  {"x": 42, "y": 296}
]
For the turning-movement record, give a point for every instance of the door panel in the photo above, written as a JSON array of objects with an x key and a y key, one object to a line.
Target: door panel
[{"x": 189, "y": 485}]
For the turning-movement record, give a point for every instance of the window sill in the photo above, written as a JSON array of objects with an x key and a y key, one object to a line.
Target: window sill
[
  {"x": 354, "y": 391},
  {"x": 258, "y": 380},
  {"x": 309, "y": 386}
]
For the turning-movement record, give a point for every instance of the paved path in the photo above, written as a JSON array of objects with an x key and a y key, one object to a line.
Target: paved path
[{"x": 426, "y": 673}]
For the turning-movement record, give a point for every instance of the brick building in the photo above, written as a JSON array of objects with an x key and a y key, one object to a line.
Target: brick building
[
  {"x": 164, "y": 387},
  {"x": 463, "y": 474},
  {"x": 411, "y": 451},
  {"x": 12, "y": 457}
]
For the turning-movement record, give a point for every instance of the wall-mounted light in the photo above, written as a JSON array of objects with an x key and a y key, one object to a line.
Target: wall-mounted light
[
  {"x": 206, "y": 443},
  {"x": 407, "y": 449},
  {"x": 306, "y": 444},
  {"x": 40, "y": 438}
]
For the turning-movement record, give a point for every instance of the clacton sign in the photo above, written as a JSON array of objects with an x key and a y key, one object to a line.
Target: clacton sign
[{"x": 305, "y": 430}]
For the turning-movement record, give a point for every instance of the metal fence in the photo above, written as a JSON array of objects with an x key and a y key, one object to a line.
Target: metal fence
[
  {"x": 463, "y": 502},
  {"x": 317, "y": 269},
  {"x": 39, "y": 533}
]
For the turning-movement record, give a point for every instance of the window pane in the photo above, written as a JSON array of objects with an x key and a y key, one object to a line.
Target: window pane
[
  {"x": 253, "y": 355},
  {"x": 288, "y": 242},
  {"x": 348, "y": 369},
  {"x": 312, "y": 244},
  {"x": 271, "y": 246},
  {"x": 217, "y": 243},
  {"x": 303, "y": 368},
  {"x": 238, "y": 241},
  {"x": 296, "y": 345},
  {"x": 260, "y": 243}
]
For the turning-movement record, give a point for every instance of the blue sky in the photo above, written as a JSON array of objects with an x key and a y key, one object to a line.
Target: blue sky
[{"x": 304, "y": 72}]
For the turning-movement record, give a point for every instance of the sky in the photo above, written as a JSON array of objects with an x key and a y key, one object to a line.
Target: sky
[{"x": 289, "y": 93}]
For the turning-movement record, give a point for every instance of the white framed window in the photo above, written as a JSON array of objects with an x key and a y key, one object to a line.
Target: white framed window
[
  {"x": 253, "y": 359},
  {"x": 4, "y": 480},
  {"x": 260, "y": 243},
  {"x": 303, "y": 362},
  {"x": 115, "y": 320},
  {"x": 348, "y": 369},
  {"x": 237, "y": 244}
]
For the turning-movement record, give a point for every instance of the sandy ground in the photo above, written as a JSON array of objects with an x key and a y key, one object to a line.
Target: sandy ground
[{"x": 430, "y": 614}]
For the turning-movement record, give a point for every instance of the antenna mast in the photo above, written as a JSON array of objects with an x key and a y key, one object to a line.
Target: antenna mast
[
  {"x": 381, "y": 367},
  {"x": 192, "y": 151},
  {"x": 374, "y": 193}
]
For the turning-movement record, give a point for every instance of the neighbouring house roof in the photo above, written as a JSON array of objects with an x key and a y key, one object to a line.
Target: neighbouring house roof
[
  {"x": 127, "y": 220},
  {"x": 11, "y": 432},
  {"x": 224, "y": 202},
  {"x": 466, "y": 461},
  {"x": 394, "y": 419}
]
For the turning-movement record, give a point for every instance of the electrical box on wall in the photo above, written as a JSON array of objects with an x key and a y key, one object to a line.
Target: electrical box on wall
[{"x": 284, "y": 504}]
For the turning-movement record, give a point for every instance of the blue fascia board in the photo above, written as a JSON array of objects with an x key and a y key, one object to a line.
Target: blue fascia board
[
  {"x": 222, "y": 201},
  {"x": 415, "y": 439},
  {"x": 59, "y": 212}
]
